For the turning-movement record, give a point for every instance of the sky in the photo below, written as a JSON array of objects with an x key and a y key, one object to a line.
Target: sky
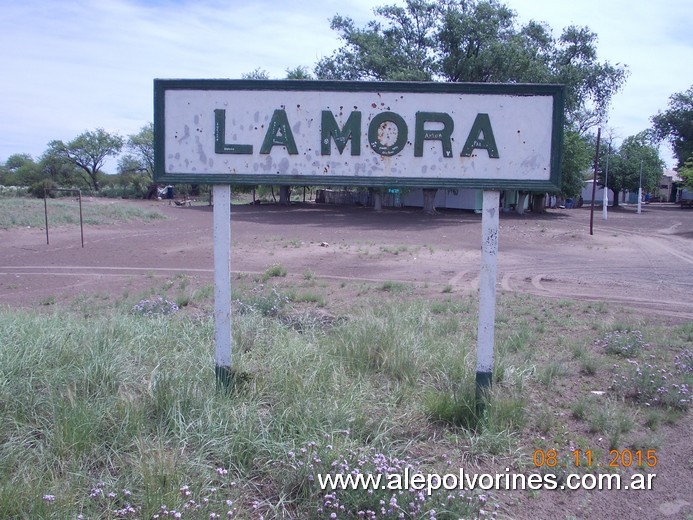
[{"x": 70, "y": 66}]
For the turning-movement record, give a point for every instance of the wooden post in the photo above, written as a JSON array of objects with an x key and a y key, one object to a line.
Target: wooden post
[
  {"x": 81, "y": 220},
  {"x": 45, "y": 211}
]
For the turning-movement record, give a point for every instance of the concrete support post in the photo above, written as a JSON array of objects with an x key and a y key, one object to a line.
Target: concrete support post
[
  {"x": 222, "y": 284},
  {"x": 487, "y": 293}
]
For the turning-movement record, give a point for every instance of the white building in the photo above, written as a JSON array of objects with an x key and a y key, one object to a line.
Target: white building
[{"x": 599, "y": 194}]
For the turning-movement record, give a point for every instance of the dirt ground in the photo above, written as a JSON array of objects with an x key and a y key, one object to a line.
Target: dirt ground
[{"x": 643, "y": 262}]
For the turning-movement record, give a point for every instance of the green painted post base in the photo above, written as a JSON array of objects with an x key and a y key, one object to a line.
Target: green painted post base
[
  {"x": 224, "y": 376},
  {"x": 483, "y": 391}
]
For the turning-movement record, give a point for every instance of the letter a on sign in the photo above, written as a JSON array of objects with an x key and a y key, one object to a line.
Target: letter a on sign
[
  {"x": 279, "y": 133},
  {"x": 481, "y": 136}
]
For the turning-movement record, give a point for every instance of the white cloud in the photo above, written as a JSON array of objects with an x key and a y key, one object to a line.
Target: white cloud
[
  {"x": 652, "y": 38},
  {"x": 75, "y": 66},
  {"x": 78, "y": 65}
]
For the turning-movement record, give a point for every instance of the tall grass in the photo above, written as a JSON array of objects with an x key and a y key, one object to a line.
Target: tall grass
[
  {"x": 117, "y": 415},
  {"x": 128, "y": 402}
]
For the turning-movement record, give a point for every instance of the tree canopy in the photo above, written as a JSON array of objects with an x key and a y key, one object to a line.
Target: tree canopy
[
  {"x": 19, "y": 169},
  {"x": 482, "y": 41},
  {"x": 676, "y": 125},
  {"x": 88, "y": 152},
  {"x": 636, "y": 161},
  {"x": 140, "y": 156},
  {"x": 258, "y": 73},
  {"x": 686, "y": 173},
  {"x": 475, "y": 41},
  {"x": 578, "y": 152},
  {"x": 299, "y": 72}
]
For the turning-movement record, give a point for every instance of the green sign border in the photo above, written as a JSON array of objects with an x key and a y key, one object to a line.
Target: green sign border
[{"x": 553, "y": 184}]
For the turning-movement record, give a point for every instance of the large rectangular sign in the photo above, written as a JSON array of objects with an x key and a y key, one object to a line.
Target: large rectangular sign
[{"x": 387, "y": 134}]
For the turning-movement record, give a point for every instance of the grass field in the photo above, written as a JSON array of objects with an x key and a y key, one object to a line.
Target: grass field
[
  {"x": 109, "y": 408},
  {"x": 28, "y": 212}
]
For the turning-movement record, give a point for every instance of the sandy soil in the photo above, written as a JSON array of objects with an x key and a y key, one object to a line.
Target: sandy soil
[{"x": 643, "y": 262}]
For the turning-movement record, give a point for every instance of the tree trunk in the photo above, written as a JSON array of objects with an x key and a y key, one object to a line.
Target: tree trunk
[
  {"x": 617, "y": 195},
  {"x": 284, "y": 195},
  {"x": 377, "y": 200},
  {"x": 429, "y": 196},
  {"x": 539, "y": 203}
]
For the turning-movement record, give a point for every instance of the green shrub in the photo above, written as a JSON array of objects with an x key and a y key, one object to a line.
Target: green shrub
[
  {"x": 274, "y": 271},
  {"x": 38, "y": 189}
]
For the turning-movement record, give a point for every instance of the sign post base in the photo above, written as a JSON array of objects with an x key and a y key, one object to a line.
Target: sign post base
[{"x": 224, "y": 377}]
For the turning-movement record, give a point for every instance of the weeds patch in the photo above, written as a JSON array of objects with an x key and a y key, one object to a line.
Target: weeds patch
[
  {"x": 396, "y": 287},
  {"x": 158, "y": 306},
  {"x": 312, "y": 466},
  {"x": 653, "y": 385},
  {"x": 274, "y": 271},
  {"x": 106, "y": 414},
  {"x": 624, "y": 343}
]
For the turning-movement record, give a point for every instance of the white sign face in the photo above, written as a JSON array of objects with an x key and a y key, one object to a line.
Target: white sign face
[{"x": 264, "y": 132}]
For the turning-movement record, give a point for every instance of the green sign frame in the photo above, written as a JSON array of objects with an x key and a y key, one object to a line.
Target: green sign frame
[{"x": 346, "y": 159}]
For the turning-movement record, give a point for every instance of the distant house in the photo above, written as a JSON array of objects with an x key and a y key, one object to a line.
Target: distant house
[
  {"x": 599, "y": 194},
  {"x": 667, "y": 186},
  {"x": 463, "y": 198},
  {"x": 666, "y": 191},
  {"x": 453, "y": 199}
]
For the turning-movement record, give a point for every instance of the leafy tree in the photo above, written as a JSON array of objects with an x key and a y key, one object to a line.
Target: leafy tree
[
  {"x": 88, "y": 152},
  {"x": 402, "y": 50},
  {"x": 61, "y": 171},
  {"x": 686, "y": 173},
  {"x": 258, "y": 73},
  {"x": 140, "y": 158},
  {"x": 590, "y": 85},
  {"x": 20, "y": 169},
  {"x": 636, "y": 160},
  {"x": 298, "y": 73},
  {"x": 676, "y": 125},
  {"x": 129, "y": 165},
  {"x": 478, "y": 41},
  {"x": 18, "y": 160},
  {"x": 578, "y": 152}
]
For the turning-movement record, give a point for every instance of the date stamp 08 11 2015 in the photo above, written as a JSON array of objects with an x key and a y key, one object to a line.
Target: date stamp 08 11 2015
[{"x": 584, "y": 458}]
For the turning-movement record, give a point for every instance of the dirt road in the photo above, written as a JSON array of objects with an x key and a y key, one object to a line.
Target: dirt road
[{"x": 642, "y": 261}]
